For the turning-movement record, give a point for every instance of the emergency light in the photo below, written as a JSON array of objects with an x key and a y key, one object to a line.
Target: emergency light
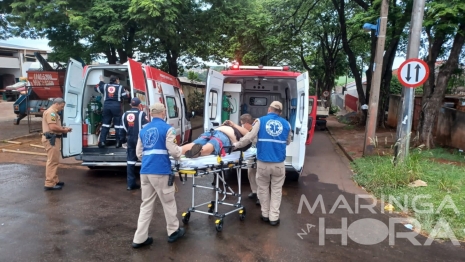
[{"x": 236, "y": 66}]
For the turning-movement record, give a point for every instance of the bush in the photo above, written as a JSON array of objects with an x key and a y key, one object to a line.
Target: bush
[{"x": 196, "y": 102}]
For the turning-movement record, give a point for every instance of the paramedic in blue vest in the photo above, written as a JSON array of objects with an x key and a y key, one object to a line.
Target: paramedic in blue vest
[
  {"x": 273, "y": 133},
  {"x": 157, "y": 141},
  {"x": 133, "y": 121},
  {"x": 113, "y": 97}
]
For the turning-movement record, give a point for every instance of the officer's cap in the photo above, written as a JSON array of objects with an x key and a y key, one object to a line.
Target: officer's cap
[
  {"x": 157, "y": 108},
  {"x": 135, "y": 101},
  {"x": 277, "y": 105}
]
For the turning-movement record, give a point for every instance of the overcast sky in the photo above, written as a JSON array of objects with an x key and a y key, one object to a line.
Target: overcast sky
[{"x": 43, "y": 44}]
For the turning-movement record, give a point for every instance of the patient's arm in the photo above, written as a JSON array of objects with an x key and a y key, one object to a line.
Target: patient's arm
[{"x": 242, "y": 130}]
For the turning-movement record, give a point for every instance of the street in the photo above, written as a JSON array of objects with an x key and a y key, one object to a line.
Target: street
[{"x": 94, "y": 218}]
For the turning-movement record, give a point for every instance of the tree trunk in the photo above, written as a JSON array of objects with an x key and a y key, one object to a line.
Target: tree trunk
[
  {"x": 433, "y": 104},
  {"x": 340, "y": 7},
  {"x": 111, "y": 55},
  {"x": 172, "y": 60}
]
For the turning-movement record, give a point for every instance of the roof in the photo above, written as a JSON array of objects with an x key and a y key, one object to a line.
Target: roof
[
  {"x": 260, "y": 72},
  {"x": 186, "y": 81},
  {"x": 20, "y": 47}
]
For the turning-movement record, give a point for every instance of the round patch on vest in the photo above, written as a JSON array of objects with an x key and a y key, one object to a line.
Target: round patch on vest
[
  {"x": 111, "y": 89},
  {"x": 150, "y": 137},
  {"x": 274, "y": 127},
  {"x": 130, "y": 117}
]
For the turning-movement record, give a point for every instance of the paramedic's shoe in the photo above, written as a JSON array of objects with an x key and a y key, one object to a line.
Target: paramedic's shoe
[
  {"x": 101, "y": 145},
  {"x": 118, "y": 144},
  {"x": 258, "y": 202},
  {"x": 60, "y": 183},
  {"x": 274, "y": 223},
  {"x": 177, "y": 234},
  {"x": 146, "y": 243},
  {"x": 264, "y": 219},
  {"x": 56, "y": 187},
  {"x": 194, "y": 151},
  {"x": 133, "y": 187},
  {"x": 253, "y": 195}
]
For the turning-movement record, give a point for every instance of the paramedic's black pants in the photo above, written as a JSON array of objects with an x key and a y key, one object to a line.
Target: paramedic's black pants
[{"x": 111, "y": 111}]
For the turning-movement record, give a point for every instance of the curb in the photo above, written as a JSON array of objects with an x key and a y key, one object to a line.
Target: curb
[
  {"x": 340, "y": 146},
  {"x": 23, "y": 136}
]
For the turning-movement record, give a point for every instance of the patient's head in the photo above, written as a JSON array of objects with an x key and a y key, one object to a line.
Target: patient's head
[{"x": 246, "y": 121}]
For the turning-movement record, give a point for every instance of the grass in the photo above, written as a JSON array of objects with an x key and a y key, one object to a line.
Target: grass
[{"x": 379, "y": 176}]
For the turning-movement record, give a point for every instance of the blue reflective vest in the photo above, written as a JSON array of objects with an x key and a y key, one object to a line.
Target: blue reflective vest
[
  {"x": 272, "y": 138},
  {"x": 155, "y": 157}
]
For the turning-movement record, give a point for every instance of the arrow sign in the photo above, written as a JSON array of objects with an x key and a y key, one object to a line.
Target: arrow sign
[{"x": 413, "y": 79}]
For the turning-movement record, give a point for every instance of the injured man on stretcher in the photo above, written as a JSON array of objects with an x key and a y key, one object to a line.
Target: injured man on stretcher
[{"x": 213, "y": 142}]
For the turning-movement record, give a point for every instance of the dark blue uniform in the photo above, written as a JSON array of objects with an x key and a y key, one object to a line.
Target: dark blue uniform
[
  {"x": 113, "y": 95},
  {"x": 133, "y": 121}
]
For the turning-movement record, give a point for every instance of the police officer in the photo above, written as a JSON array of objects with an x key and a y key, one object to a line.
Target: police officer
[
  {"x": 52, "y": 132},
  {"x": 157, "y": 141},
  {"x": 133, "y": 121},
  {"x": 273, "y": 133},
  {"x": 113, "y": 95}
]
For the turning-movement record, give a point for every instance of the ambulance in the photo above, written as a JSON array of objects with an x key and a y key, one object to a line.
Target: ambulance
[
  {"x": 82, "y": 111},
  {"x": 251, "y": 89}
]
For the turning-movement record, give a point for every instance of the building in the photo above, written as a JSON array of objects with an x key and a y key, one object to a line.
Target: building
[{"x": 15, "y": 61}]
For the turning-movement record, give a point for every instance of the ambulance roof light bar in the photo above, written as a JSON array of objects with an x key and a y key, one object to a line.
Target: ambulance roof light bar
[{"x": 236, "y": 66}]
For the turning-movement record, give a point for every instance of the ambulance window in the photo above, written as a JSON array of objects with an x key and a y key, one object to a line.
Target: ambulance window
[
  {"x": 302, "y": 107},
  {"x": 172, "y": 108},
  {"x": 213, "y": 103}
]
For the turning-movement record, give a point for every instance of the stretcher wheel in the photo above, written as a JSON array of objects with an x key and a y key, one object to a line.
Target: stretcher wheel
[
  {"x": 185, "y": 217},
  {"x": 219, "y": 225},
  {"x": 242, "y": 214}
]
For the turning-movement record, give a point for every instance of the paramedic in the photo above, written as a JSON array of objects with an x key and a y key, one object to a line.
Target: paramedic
[
  {"x": 113, "y": 95},
  {"x": 156, "y": 142},
  {"x": 51, "y": 140},
  {"x": 246, "y": 122},
  {"x": 133, "y": 120},
  {"x": 273, "y": 133}
]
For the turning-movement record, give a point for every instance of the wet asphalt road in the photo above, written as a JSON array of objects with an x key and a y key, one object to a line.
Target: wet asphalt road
[{"x": 94, "y": 219}]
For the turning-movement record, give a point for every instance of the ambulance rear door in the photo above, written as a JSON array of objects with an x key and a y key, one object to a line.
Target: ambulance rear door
[
  {"x": 137, "y": 76},
  {"x": 300, "y": 133},
  {"x": 213, "y": 98},
  {"x": 71, "y": 145}
]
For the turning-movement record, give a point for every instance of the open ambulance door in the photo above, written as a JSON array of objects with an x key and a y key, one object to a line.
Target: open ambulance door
[
  {"x": 312, "y": 109},
  {"x": 213, "y": 98},
  {"x": 71, "y": 145},
  {"x": 300, "y": 134},
  {"x": 137, "y": 77}
]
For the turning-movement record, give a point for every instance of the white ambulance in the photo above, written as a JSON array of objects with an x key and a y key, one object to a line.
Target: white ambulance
[
  {"x": 147, "y": 83},
  {"x": 251, "y": 89}
]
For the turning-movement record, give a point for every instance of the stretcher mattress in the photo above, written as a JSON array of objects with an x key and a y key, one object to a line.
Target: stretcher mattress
[{"x": 212, "y": 159}]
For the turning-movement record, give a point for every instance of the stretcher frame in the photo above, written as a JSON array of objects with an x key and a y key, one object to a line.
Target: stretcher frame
[{"x": 219, "y": 179}]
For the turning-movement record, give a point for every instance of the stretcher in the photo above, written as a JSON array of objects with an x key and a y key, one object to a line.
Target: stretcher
[{"x": 216, "y": 166}]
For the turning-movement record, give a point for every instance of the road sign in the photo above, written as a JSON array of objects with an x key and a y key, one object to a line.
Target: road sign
[{"x": 413, "y": 72}]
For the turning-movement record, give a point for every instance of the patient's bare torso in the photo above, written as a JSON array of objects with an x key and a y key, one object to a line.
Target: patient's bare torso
[{"x": 229, "y": 131}]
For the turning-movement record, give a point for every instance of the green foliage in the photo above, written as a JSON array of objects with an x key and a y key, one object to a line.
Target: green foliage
[
  {"x": 196, "y": 102},
  {"x": 193, "y": 76},
  {"x": 396, "y": 86}
]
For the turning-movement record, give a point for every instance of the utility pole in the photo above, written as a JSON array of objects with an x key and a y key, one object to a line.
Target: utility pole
[
  {"x": 405, "y": 118},
  {"x": 370, "y": 129}
]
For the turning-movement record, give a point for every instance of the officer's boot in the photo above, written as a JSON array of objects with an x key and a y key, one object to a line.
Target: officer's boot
[{"x": 101, "y": 144}]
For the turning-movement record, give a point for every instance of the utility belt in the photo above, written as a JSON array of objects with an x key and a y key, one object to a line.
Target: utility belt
[{"x": 52, "y": 137}]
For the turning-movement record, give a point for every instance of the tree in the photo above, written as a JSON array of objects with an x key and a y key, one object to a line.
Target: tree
[{"x": 444, "y": 23}]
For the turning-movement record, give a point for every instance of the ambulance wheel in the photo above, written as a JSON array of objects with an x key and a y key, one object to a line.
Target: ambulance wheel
[
  {"x": 242, "y": 214},
  {"x": 185, "y": 217},
  {"x": 219, "y": 225}
]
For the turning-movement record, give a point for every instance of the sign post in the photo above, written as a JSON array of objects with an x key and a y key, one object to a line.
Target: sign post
[{"x": 411, "y": 74}]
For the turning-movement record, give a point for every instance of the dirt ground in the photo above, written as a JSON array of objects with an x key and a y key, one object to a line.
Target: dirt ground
[{"x": 352, "y": 138}]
